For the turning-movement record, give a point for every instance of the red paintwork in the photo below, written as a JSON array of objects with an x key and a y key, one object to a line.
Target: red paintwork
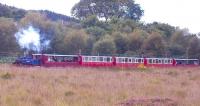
[
  {"x": 80, "y": 62},
  {"x": 145, "y": 62},
  {"x": 60, "y": 64},
  {"x": 97, "y": 64},
  {"x": 159, "y": 65},
  {"x": 128, "y": 65}
]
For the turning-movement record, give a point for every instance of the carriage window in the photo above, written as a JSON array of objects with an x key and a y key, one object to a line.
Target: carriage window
[
  {"x": 139, "y": 60},
  {"x": 156, "y": 61},
  {"x": 162, "y": 61},
  {"x": 101, "y": 59},
  {"x": 120, "y": 60},
  {"x": 68, "y": 59},
  {"x": 166, "y": 62},
  {"x": 150, "y": 60},
  {"x": 136, "y": 60},
  {"x": 142, "y": 60},
  {"x": 50, "y": 59},
  {"x": 129, "y": 60},
  {"x": 60, "y": 59},
  {"x": 53, "y": 59},
  {"x": 123, "y": 60},
  {"x": 169, "y": 61},
  {"x": 159, "y": 61},
  {"x": 108, "y": 59},
  {"x": 94, "y": 59},
  {"x": 104, "y": 59},
  {"x": 126, "y": 60},
  {"x": 86, "y": 59}
]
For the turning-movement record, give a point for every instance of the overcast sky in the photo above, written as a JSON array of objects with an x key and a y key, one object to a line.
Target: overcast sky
[{"x": 182, "y": 13}]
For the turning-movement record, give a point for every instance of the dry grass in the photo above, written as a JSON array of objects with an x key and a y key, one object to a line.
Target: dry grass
[{"x": 38, "y": 86}]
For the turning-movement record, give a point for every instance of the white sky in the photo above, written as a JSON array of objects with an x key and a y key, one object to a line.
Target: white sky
[{"x": 182, "y": 13}]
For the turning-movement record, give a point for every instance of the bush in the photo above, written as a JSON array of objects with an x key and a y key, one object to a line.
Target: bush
[{"x": 6, "y": 76}]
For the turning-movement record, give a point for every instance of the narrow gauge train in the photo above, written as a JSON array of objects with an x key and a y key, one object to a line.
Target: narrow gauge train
[{"x": 51, "y": 60}]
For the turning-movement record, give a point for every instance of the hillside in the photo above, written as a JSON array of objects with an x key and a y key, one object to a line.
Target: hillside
[{"x": 17, "y": 14}]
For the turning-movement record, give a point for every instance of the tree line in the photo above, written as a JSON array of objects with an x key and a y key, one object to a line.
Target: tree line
[{"x": 100, "y": 27}]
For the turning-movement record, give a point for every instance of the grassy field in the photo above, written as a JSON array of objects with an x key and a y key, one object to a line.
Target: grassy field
[{"x": 38, "y": 86}]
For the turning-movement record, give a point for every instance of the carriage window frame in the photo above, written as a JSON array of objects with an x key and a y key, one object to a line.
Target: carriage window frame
[{"x": 133, "y": 60}]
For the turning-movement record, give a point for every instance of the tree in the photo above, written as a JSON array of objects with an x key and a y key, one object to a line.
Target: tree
[
  {"x": 166, "y": 29},
  {"x": 178, "y": 43},
  {"x": 120, "y": 42},
  {"x": 126, "y": 9},
  {"x": 154, "y": 45},
  {"x": 124, "y": 25},
  {"x": 105, "y": 46},
  {"x": 193, "y": 50},
  {"x": 136, "y": 40},
  {"x": 75, "y": 42},
  {"x": 97, "y": 32},
  {"x": 7, "y": 36}
]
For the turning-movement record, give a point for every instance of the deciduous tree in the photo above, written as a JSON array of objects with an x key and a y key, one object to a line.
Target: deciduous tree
[
  {"x": 8, "y": 42},
  {"x": 107, "y": 9}
]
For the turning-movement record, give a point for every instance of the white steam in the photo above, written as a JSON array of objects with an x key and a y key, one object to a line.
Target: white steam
[{"x": 29, "y": 39}]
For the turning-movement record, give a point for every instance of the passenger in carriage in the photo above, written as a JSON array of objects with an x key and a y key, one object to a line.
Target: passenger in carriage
[{"x": 55, "y": 59}]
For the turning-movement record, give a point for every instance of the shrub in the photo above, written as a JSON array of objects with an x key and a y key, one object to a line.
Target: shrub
[
  {"x": 69, "y": 93},
  {"x": 6, "y": 76}
]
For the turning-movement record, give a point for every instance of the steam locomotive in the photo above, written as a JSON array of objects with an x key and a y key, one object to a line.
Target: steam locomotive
[{"x": 52, "y": 60}]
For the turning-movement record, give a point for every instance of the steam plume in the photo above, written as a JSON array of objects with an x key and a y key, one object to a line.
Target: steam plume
[{"x": 29, "y": 39}]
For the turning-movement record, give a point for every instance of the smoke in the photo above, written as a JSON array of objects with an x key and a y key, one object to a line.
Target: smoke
[{"x": 29, "y": 39}]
